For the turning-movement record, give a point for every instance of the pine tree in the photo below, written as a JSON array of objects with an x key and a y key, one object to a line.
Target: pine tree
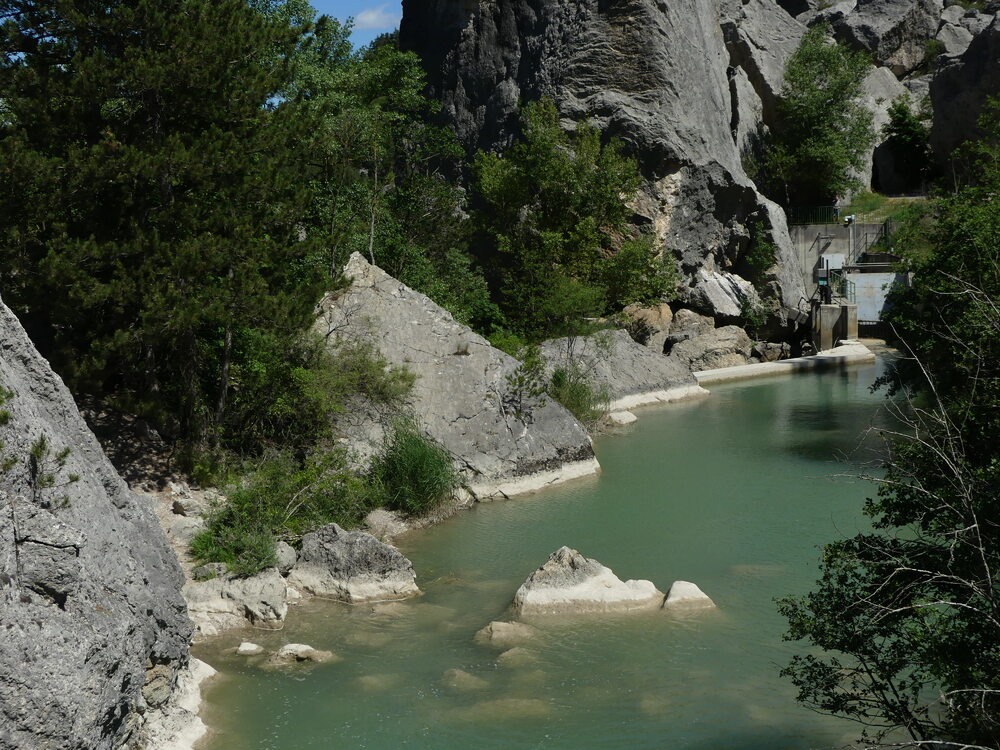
[{"x": 153, "y": 184}]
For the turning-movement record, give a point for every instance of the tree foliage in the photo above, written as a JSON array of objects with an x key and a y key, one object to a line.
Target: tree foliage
[
  {"x": 906, "y": 137},
  {"x": 824, "y": 132},
  {"x": 909, "y": 615},
  {"x": 555, "y": 210}
]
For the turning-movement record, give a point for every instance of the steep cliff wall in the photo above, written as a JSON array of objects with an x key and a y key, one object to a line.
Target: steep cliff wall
[
  {"x": 658, "y": 75},
  {"x": 93, "y": 631}
]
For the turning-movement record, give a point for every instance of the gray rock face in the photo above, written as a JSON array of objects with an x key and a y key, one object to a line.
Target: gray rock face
[
  {"x": 723, "y": 347},
  {"x": 352, "y": 566},
  {"x": 462, "y": 397},
  {"x": 960, "y": 89},
  {"x": 95, "y": 632},
  {"x": 956, "y": 39},
  {"x": 628, "y": 373},
  {"x": 568, "y": 582},
  {"x": 894, "y": 31},
  {"x": 654, "y": 74}
]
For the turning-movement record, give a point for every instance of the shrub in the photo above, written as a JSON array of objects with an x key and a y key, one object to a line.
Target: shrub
[
  {"x": 280, "y": 499},
  {"x": 411, "y": 473},
  {"x": 571, "y": 387}
]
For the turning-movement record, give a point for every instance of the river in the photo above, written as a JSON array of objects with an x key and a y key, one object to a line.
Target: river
[{"x": 734, "y": 492}]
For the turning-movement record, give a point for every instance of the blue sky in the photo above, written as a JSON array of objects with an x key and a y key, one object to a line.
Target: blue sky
[{"x": 371, "y": 17}]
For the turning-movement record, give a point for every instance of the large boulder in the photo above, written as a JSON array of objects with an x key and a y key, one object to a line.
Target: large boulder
[
  {"x": 352, "y": 566},
  {"x": 230, "y": 601},
  {"x": 895, "y": 32},
  {"x": 655, "y": 74},
  {"x": 959, "y": 92},
  {"x": 95, "y": 632},
  {"x": 628, "y": 373},
  {"x": 721, "y": 347},
  {"x": 463, "y": 397},
  {"x": 568, "y": 582}
]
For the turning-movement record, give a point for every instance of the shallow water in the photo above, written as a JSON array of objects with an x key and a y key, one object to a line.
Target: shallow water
[{"x": 734, "y": 492}]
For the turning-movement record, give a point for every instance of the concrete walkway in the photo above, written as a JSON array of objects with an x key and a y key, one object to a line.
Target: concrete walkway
[{"x": 847, "y": 354}]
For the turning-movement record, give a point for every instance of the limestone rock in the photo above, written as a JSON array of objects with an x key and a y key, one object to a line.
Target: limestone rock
[
  {"x": 722, "y": 295},
  {"x": 894, "y": 31},
  {"x": 294, "y": 653},
  {"x": 691, "y": 323},
  {"x": 517, "y": 658},
  {"x": 621, "y": 418},
  {"x": 286, "y": 557},
  {"x": 976, "y": 22},
  {"x": 249, "y": 649},
  {"x": 90, "y": 603},
  {"x": 626, "y": 372},
  {"x": 188, "y": 506},
  {"x": 722, "y": 347},
  {"x": 352, "y": 566},
  {"x": 185, "y": 528},
  {"x": 462, "y": 397},
  {"x": 760, "y": 37},
  {"x": 649, "y": 326},
  {"x": 461, "y": 681},
  {"x": 687, "y": 595},
  {"x": 955, "y": 39},
  {"x": 177, "y": 725},
  {"x": 506, "y": 634},
  {"x": 655, "y": 74},
  {"x": 227, "y": 602},
  {"x": 771, "y": 352},
  {"x": 568, "y": 582},
  {"x": 959, "y": 92}
]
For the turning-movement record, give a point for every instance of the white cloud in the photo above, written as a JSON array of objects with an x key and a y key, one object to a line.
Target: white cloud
[{"x": 377, "y": 19}]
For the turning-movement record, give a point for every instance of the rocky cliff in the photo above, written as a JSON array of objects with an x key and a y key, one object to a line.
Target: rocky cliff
[
  {"x": 94, "y": 630},
  {"x": 685, "y": 85}
]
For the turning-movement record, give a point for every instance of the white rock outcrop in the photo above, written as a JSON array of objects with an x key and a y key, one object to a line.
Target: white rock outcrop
[
  {"x": 568, "y": 582},
  {"x": 229, "y": 602},
  {"x": 687, "y": 595}
]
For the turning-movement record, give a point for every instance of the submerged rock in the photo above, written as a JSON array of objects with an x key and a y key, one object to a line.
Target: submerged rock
[
  {"x": 505, "y": 634},
  {"x": 621, "y": 418},
  {"x": 94, "y": 630},
  {"x": 568, "y": 582},
  {"x": 462, "y": 397},
  {"x": 249, "y": 649},
  {"x": 688, "y": 595},
  {"x": 461, "y": 681},
  {"x": 293, "y": 653},
  {"x": 352, "y": 566},
  {"x": 505, "y": 709}
]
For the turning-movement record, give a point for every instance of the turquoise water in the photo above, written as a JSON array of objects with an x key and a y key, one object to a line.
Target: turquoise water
[{"x": 734, "y": 492}]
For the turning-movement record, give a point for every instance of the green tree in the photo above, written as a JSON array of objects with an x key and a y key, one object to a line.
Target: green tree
[
  {"x": 152, "y": 185},
  {"x": 909, "y": 615},
  {"x": 824, "y": 133},
  {"x": 554, "y": 209},
  {"x": 907, "y": 140}
]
